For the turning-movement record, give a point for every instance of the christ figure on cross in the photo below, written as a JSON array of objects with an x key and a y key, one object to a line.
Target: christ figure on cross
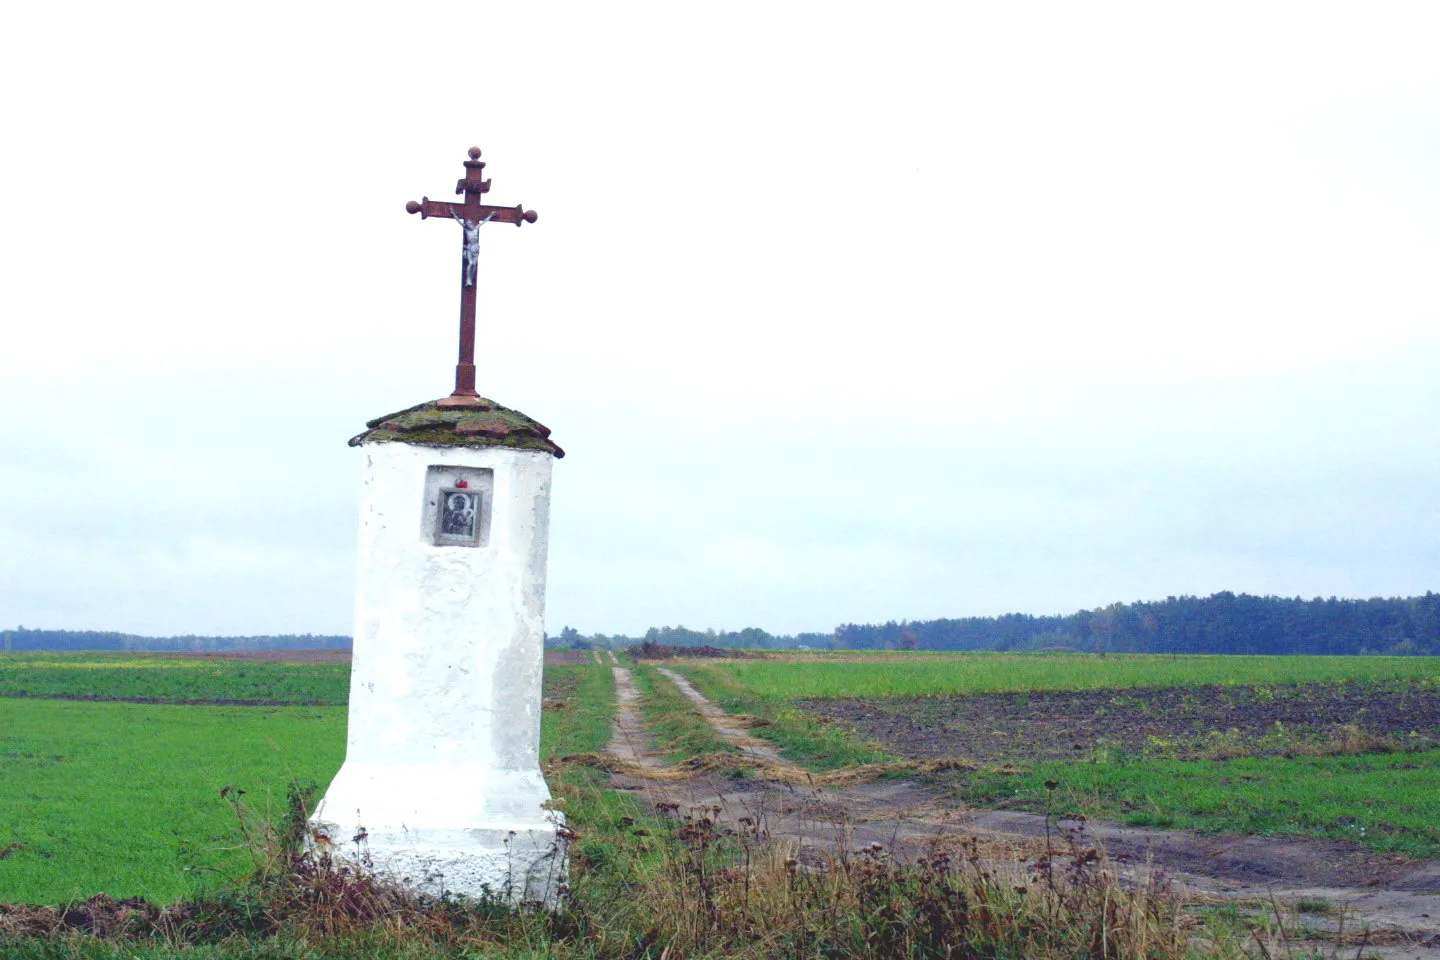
[
  {"x": 470, "y": 256},
  {"x": 472, "y": 214}
]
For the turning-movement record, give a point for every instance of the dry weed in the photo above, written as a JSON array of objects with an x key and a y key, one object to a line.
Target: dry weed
[{"x": 764, "y": 769}]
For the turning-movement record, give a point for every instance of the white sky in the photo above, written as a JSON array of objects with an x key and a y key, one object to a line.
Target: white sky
[{"x": 843, "y": 312}]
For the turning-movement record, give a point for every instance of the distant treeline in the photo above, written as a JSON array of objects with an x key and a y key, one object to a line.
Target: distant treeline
[
  {"x": 21, "y": 639},
  {"x": 1223, "y": 623}
]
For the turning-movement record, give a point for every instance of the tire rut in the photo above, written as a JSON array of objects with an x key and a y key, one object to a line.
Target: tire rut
[
  {"x": 726, "y": 725},
  {"x": 628, "y": 739}
]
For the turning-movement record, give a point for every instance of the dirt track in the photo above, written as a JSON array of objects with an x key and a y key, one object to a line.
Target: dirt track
[
  {"x": 628, "y": 739},
  {"x": 1397, "y": 900}
]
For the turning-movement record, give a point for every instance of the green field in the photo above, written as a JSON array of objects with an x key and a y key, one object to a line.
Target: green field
[
  {"x": 172, "y": 679},
  {"x": 1376, "y": 788},
  {"x": 1388, "y": 802},
  {"x": 125, "y": 799},
  {"x": 943, "y": 674}
]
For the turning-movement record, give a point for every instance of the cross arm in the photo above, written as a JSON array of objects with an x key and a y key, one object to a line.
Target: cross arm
[{"x": 473, "y": 212}]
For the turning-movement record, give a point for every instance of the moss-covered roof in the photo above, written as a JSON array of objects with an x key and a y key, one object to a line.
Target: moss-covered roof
[{"x": 476, "y": 423}]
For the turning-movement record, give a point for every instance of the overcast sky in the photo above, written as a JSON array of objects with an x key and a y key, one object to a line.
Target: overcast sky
[{"x": 842, "y": 312}]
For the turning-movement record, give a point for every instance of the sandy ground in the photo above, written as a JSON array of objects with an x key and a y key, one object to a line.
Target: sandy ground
[{"x": 1396, "y": 901}]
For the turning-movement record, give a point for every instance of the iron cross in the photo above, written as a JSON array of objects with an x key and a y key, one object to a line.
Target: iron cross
[{"x": 471, "y": 214}]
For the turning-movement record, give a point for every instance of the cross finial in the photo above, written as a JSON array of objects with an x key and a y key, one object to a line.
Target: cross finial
[{"x": 471, "y": 214}]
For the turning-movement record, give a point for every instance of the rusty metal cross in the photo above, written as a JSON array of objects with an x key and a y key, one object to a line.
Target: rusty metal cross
[{"x": 471, "y": 214}]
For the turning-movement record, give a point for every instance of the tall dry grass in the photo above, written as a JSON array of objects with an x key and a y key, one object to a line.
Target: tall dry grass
[
  {"x": 687, "y": 884},
  {"x": 722, "y": 892}
]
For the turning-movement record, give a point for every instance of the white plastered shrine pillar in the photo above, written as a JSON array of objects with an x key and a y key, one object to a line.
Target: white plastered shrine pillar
[{"x": 441, "y": 790}]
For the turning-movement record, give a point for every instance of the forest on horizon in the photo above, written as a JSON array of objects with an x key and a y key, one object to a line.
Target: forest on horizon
[
  {"x": 20, "y": 640},
  {"x": 1222, "y": 623}
]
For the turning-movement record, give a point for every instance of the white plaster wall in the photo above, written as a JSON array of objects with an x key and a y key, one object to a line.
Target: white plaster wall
[{"x": 442, "y": 765}]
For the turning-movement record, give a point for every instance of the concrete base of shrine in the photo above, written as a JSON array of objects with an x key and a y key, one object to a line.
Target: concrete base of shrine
[{"x": 439, "y": 832}]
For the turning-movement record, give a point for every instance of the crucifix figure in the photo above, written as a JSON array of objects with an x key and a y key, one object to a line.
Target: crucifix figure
[{"x": 471, "y": 214}]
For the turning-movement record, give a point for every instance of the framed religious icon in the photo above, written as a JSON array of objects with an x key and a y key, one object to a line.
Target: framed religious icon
[
  {"x": 458, "y": 519},
  {"x": 458, "y": 502}
]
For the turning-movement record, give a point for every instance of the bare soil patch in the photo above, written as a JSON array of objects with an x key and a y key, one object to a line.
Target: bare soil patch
[
  {"x": 659, "y": 651},
  {"x": 311, "y": 655},
  {"x": 561, "y": 658},
  {"x": 1181, "y": 723},
  {"x": 100, "y": 915}
]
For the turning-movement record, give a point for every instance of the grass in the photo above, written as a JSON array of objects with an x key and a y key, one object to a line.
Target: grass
[
  {"x": 678, "y": 729},
  {"x": 1367, "y": 790},
  {"x": 912, "y": 675},
  {"x": 643, "y": 887},
  {"x": 582, "y": 726},
  {"x": 799, "y": 738},
  {"x": 167, "y": 679},
  {"x": 1387, "y": 802},
  {"x": 125, "y": 798},
  {"x": 578, "y": 712},
  {"x": 78, "y": 948},
  {"x": 709, "y": 896},
  {"x": 647, "y": 889}
]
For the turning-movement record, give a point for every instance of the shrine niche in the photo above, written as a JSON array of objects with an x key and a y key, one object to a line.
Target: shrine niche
[{"x": 458, "y": 502}]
